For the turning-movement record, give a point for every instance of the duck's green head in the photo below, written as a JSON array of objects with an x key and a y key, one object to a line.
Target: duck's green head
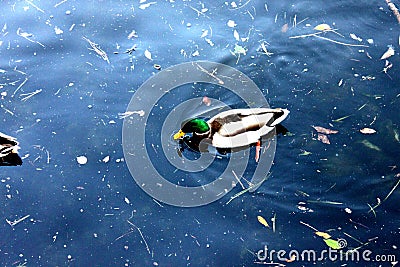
[{"x": 195, "y": 126}]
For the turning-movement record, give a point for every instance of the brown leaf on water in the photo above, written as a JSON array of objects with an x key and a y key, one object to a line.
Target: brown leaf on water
[
  {"x": 389, "y": 52},
  {"x": 324, "y": 130},
  {"x": 323, "y": 138},
  {"x": 367, "y": 131}
]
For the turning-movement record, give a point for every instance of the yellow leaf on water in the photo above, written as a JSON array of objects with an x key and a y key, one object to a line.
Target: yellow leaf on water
[
  {"x": 262, "y": 221},
  {"x": 322, "y": 27},
  {"x": 323, "y": 235}
]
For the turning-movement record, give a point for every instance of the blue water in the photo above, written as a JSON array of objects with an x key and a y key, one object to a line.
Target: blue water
[{"x": 79, "y": 213}]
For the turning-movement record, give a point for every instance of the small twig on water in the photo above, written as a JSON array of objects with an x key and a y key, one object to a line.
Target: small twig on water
[
  {"x": 306, "y": 224},
  {"x": 63, "y": 1},
  {"x": 19, "y": 87},
  {"x": 237, "y": 178},
  {"x": 27, "y": 35},
  {"x": 29, "y": 95},
  {"x": 141, "y": 234},
  {"x": 247, "y": 189},
  {"x": 15, "y": 222},
  {"x": 337, "y": 42},
  {"x": 210, "y": 73},
  {"x": 97, "y": 49},
  {"x": 35, "y": 6},
  {"x": 129, "y": 113},
  {"x": 372, "y": 209}
]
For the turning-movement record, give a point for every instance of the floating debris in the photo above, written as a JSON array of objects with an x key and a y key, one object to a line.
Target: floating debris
[
  {"x": 82, "y": 160},
  {"x": 57, "y": 30},
  {"x": 355, "y": 37},
  {"x": 367, "y": 131},
  {"x": 323, "y": 235},
  {"x": 129, "y": 113},
  {"x": 206, "y": 101},
  {"x": 370, "y": 145},
  {"x": 147, "y": 54},
  {"x": 389, "y": 52},
  {"x": 394, "y": 9},
  {"x": 323, "y": 27},
  {"x": 323, "y": 138},
  {"x": 323, "y": 130},
  {"x": 262, "y": 221},
  {"x": 29, "y": 95},
  {"x": 132, "y": 34},
  {"x": 144, "y": 6},
  {"x": 231, "y": 23},
  {"x": 96, "y": 48},
  {"x": 28, "y": 36}
]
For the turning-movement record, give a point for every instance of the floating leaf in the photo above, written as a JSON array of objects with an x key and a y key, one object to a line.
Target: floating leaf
[
  {"x": 396, "y": 135},
  {"x": 262, "y": 221},
  {"x": 388, "y": 53},
  {"x": 147, "y": 54},
  {"x": 236, "y": 35},
  {"x": 106, "y": 159},
  {"x": 323, "y": 138},
  {"x": 292, "y": 258},
  {"x": 144, "y": 6},
  {"x": 370, "y": 145},
  {"x": 206, "y": 101},
  {"x": 204, "y": 34},
  {"x": 367, "y": 131},
  {"x": 355, "y": 37},
  {"x": 322, "y": 27},
  {"x": 285, "y": 27},
  {"x": 231, "y": 23},
  {"x": 323, "y": 235},
  {"x": 305, "y": 153},
  {"x": 239, "y": 50},
  {"x": 323, "y": 130},
  {"x": 82, "y": 160},
  {"x": 334, "y": 244}
]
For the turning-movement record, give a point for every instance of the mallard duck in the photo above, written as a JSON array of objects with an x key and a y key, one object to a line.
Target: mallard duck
[
  {"x": 234, "y": 128},
  {"x": 9, "y": 151}
]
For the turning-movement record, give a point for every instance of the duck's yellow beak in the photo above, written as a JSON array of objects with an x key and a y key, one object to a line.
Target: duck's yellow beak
[{"x": 179, "y": 134}]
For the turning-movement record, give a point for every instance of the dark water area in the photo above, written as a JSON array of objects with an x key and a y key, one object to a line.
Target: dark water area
[{"x": 78, "y": 214}]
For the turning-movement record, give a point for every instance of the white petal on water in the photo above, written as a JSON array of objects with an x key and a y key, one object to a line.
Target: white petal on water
[
  {"x": 82, "y": 160},
  {"x": 204, "y": 34},
  {"x": 144, "y": 6},
  {"x": 147, "y": 54},
  {"x": 236, "y": 35},
  {"x": 355, "y": 37},
  {"x": 106, "y": 159},
  {"x": 231, "y": 23},
  {"x": 58, "y": 30},
  {"x": 389, "y": 52}
]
